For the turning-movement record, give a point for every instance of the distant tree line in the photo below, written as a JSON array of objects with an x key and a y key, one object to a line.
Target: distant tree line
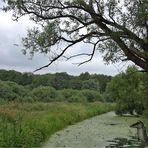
[
  {"x": 58, "y": 80},
  {"x": 16, "y": 86}
]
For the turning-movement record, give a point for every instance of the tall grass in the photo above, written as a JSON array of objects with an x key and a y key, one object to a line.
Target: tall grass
[{"x": 31, "y": 124}]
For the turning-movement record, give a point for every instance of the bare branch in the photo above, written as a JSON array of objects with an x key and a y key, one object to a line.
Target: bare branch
[
  {"x": 77, "y": 55},
  {"x": 93, "y": 52},
  {"x": 62, "y": 53},
  {"x": 56, "y": 58}
]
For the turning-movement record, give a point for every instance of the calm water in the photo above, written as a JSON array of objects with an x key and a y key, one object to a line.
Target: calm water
[
  {"x": 131, "y": 142},
  {"x": 104, "y": 131}
]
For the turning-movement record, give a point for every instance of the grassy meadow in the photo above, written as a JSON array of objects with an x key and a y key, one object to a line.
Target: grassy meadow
[{"x": 31, "y": 124}]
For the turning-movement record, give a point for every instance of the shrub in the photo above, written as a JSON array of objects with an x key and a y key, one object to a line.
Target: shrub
[
  {"x": 91, "y": 95},
  {"x": 91, "y": 84},
  {"x": 79, "y": 97},
  {"x": 130, "y": 108},
  {"x": 26, "y": 99},
  {"x": 10, "y": 91},
  {"x": 44, "y": 93},
  {"x": 72, "y": 95},
  {"x": 17, "y": 89},
  {"x": 67, "y": 93}
]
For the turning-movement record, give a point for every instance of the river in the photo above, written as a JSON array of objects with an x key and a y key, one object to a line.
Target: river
[{"x": 103, "y": 131}]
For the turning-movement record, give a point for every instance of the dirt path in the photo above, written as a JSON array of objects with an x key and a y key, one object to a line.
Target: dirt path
[{"x": 95, "y": 132}]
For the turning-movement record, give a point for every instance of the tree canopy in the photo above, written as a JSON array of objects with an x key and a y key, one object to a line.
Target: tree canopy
[
  {"x": 118, "y": 29},
  {"x": 128, "y": 90}
]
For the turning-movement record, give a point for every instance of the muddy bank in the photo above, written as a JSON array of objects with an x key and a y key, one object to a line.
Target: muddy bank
[{"x": 97, "y": 132}]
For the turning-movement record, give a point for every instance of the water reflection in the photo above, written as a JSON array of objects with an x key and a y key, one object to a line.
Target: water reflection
[{"x": 132, "y": 142}]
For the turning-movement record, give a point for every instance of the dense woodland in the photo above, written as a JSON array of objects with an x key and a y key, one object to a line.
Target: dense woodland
[
  {"x": 128, "y": 89},
  {"x": 57, "y": 80},
  {"x": 52, "y": 87}
]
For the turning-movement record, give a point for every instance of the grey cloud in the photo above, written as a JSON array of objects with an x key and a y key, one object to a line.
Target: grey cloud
[{"x": 11, "y": 56}]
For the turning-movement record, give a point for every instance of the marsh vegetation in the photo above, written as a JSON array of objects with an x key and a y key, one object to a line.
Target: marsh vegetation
[
  {"x": 34, "y": 107},
  {"x": 31, "y": 124}
]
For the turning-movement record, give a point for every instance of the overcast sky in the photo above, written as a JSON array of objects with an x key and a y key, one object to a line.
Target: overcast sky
[{"x": 11, "y": 56}]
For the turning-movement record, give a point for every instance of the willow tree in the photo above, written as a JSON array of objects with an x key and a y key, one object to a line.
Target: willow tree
[{"x": 116, "y": 28}]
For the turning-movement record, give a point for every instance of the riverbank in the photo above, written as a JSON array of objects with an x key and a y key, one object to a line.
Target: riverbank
[
  {"x": 31, "y": 124},
  {"x": 107, "y": 130}
]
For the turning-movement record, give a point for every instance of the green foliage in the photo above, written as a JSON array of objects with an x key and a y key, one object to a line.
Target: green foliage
[
  {"x": 41, "y": 40},
  {"x": 142, "y": 13},
  {"x": 75, "y": 83},
  {"x": 61, "y": 80},
  {"x": 90, "y": 84},
  {"x": 145, "y": 88},
  {"x": 79, "y": 97},
  {"x": 84, "y": 76},
  {"x": 67, "y": 93},
  {"x": 17, "y": 77},
  {"x": 146, "y": 113},
  {"x": 91, "y": 95},
  {"x": 30, "y": 125},
  {"x": 71, "y": 95},
  {"x": 127, "y": 90},
  {"x": 51, "y": 87},
  {"x": 44, "y": 94},
  {"x": 58, "y": 80},
  {"x": 86, "y": 95},
  {"x": 10, "y": 91}
]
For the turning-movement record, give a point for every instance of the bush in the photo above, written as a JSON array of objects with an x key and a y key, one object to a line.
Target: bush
[
  {"x": 17, "y": 89},
  {"x": 44, "y": 93},
  {"x": 79, "y": 97},
  {"x": 71, "y": 95},
  {"x": 26, "y": 99},
  {"x": 130, "y": 108},
  {"x": 92, "y": 95},
  {"x": 67, "y": 93},
  {"x": 10, "y": 91},
  {"x": 145, "y": 113}
]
